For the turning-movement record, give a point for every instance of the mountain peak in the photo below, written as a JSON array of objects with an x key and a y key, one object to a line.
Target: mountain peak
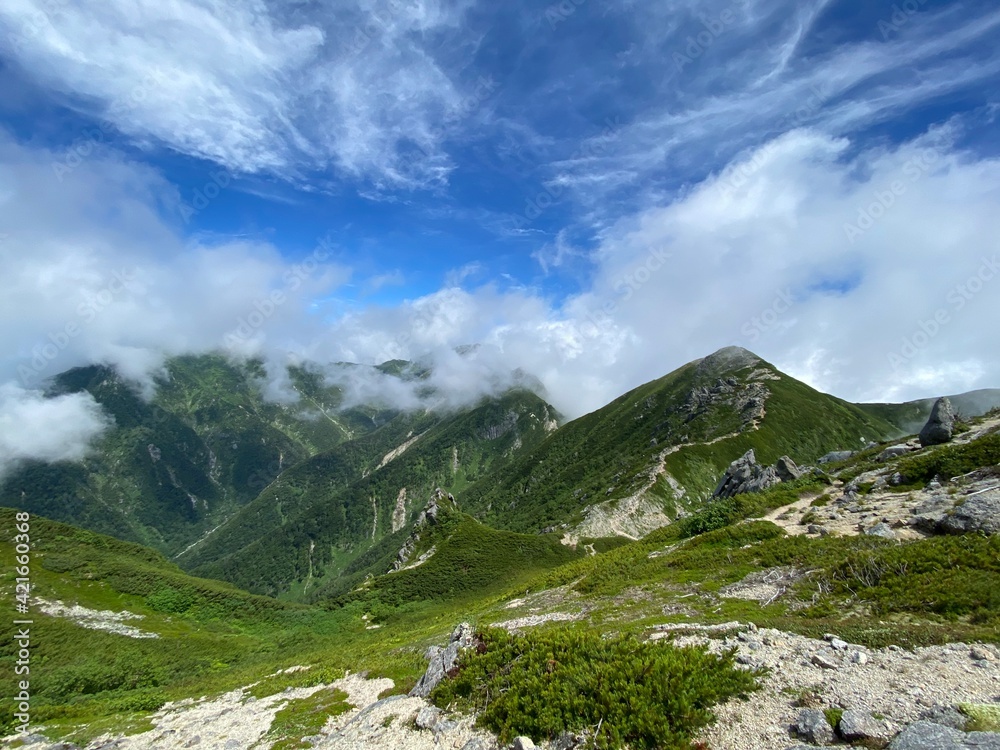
[{"x": 729, "y": 358}]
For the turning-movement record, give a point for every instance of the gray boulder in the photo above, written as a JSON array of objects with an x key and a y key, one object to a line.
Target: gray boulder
[
  {"x": 787, "y": 470},
  {"x": 925, "y": 735},
  {"x": 834, "y": 456},
  {"x": 745, "y": 475},
  {"x": 443, "y": 660},
  {"x": 979, "y": 513},
  {"x": 893, "y": 451},
  {"x": 881, "y": 529},
  {"x": 860, "y": 726},
  {"x": 812, "y": 726},
  {"x": 946, "y": 716},
  {"x": 940, "y": 426},
  {"x": 523, "y": 743}
]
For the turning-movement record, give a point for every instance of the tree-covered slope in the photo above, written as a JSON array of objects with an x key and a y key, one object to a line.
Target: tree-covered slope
[
  {"x": 318, "y": 516},
  {"x": 172, "y": 467},
  {"x": 668, "y": 441}
]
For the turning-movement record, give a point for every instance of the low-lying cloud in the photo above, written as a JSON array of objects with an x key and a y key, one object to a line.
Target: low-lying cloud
[
  {"x": 46, "y": 429},
  {"x": 831, "y": 263}
]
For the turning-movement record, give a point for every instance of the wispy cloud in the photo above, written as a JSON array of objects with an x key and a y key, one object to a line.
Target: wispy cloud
[{"x": 256, "y": 89}]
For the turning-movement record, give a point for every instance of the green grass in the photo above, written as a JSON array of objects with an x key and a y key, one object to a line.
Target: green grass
[
  {"x": 619, "y": 690},
  {"x": 982, "y": 718},
  {"x": 304, "y": 717}
]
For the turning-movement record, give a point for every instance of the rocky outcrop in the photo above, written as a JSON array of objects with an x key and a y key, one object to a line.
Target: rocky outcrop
[
  {"x": 787, "y": 470},
  {"x": 857, "y": 725},
  {"x": 940, "y": 426},
  {"x": 442, "y": 660},
  {"x": 428, "y": 517},
  {"x": 746, "y": 475},
  {"x": 925, "y": 735},
  {"x": 835, "y": 456},
  {"x": 813, "y": 727},
  {"x": 979, "y": 513}
]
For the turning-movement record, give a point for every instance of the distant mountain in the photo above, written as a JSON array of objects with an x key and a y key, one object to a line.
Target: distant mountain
[
  {"x": 173, "y": 468},
  {"x": 912, "y": 415},
  {"x": 318, "y": 517},
  {"x": 657, "y": 452}
]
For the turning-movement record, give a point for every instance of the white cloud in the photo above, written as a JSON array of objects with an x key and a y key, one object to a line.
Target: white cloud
[
  {"x": 92, "y": 273},
  {"x": 757, "y": 256},
  {"x": 249, "y": 86},
  {"x": 46, "y": 429},
  {"x": 725, "y": 87}
]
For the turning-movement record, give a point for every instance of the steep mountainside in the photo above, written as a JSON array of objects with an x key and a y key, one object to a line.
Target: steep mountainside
[
  {"x": 173, "y": 468},
  {"x": 657, "y": 451},
  {"x": 317, "y": 517}
]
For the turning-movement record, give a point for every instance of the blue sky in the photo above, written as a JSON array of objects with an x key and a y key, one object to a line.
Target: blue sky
[{"x": 596, "y": 192}]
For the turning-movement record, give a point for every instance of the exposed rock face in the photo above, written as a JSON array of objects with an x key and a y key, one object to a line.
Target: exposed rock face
[
  {"x": 787, "y": 470},
  {"x": 941, "y": 424},
  {"x": 979, "y": 513},
  {"x": 428, "y": 516},
  {"x": 443, "y": 660},
  {"x": 813, "y": 727},
  {"x": 860, "y": 726},
  {"x": 924, "y": 735},
  {"x": 834, "y": 456},
  {"x": 746, "y": 475}
]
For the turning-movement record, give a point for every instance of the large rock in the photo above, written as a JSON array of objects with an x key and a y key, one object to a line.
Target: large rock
[
  {"x": 925, "y": 735},
  {"x": 860, "y": 726},
  {"x": 941, "y": 424},
  {"x": 979, "y": 513},
  {"x": 835, "y": 456},
  {"x": 746, "y": 475},
  {"x": 443, "y": 660},
  {"x": 813, "y": 727},
  {"x": 947, "y": 716},
  {"x": 787, "y": 470}
]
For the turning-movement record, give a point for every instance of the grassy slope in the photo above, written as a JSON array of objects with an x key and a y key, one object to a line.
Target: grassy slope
[
  {"x": 602, "y": 456},
  {"x": 214, "y": 637},
  {"x": 318, "y": 516}
]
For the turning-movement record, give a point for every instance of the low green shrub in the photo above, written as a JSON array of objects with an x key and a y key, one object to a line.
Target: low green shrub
[
  {"x": 951, "y": 460},
  {"x": 618, "y": 690}
]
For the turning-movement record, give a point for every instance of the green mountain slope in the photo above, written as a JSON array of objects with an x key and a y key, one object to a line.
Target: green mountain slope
[
  {"x": 175, "y": 467},
  {"x": 658, "y": 450},
  {"x": 317, "y": 517}
]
